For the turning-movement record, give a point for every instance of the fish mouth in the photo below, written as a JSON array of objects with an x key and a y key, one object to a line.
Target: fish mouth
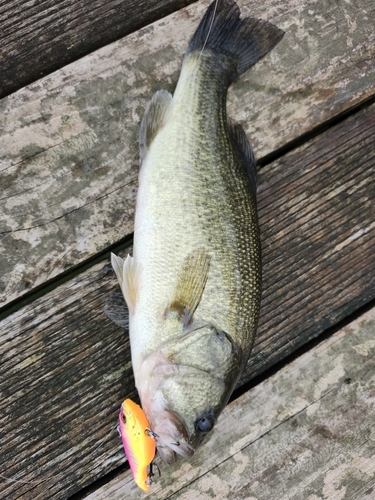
[{"x": 172, "y": 437}]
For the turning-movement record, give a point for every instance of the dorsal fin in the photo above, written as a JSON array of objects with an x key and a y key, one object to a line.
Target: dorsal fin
[
  {"x": 191, "y": 282},
  {"x": 154, "y": 118},
  {"x": 240, "y": 141},
  {"x": 128, "y": 273}
]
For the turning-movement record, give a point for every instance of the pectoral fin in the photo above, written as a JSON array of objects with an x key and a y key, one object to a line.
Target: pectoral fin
[
  {"x": 116, "y": 310},
  {"x": 191, "y": 282},
  {"x": 128, "y": 274}
]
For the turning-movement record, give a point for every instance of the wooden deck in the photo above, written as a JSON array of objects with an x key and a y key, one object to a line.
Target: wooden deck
[{"x": 301, "y": 424}]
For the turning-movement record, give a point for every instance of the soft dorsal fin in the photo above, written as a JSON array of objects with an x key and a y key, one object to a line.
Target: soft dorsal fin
[
  {"x": 128, "y": 273},
  {"x": 241, "y": 142},
  {"x": 191, "y": 282},
  {"x": 154, "y": 118}
]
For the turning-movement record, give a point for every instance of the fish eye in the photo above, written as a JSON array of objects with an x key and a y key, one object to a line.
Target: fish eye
[
  {"x": 205, "y": 423},
  {"x": 123, "y": 418}
]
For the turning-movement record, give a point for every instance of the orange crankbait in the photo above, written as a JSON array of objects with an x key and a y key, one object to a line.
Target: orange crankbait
[{"x": 138, "y": 444}]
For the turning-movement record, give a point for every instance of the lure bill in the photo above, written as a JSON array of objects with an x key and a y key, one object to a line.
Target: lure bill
[{"x": 138, "y": 444}]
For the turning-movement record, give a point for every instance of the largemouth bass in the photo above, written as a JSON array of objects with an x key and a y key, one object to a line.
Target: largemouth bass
[{"x": 193, "y": 285}]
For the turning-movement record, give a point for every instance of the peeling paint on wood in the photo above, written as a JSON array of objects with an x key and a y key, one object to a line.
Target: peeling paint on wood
[
  {"x": 306, "y": 433},
  {"x": 65, "y": 368},
  {"x": 68, "y": 142}
]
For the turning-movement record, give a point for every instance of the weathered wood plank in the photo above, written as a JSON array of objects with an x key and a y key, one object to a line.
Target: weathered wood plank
[
  {"x": 315, "y": 239},
  {"x": 306, "y": 433},
  {"x": 37, "y": 38},
  {"x": 64, "y": 367},
  {"x": 68, "y": 146}
]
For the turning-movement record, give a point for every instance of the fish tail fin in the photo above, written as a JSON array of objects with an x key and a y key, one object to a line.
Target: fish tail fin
[{"x": 245, "y": 41}]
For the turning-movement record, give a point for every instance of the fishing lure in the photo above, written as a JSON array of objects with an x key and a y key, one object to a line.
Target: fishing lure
[{"x": 138, "y": 441}]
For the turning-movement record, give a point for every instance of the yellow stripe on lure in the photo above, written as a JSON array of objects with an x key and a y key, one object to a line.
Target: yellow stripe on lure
[{"x": 138, "y": 444}]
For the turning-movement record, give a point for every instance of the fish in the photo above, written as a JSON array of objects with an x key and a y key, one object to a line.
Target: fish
[
  {"x": 193, "y": 284},
  {"x": 139, "y": 445}
]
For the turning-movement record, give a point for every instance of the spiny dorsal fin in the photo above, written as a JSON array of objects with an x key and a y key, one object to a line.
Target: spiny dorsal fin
[
  {"x": 240, "y": 141},
  {"x": 191, "y": 282},
  {"x": 154, "y": 118},
  {"x": 128, "y": 273}
]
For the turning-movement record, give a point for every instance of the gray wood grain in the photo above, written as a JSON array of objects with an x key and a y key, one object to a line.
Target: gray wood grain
[
  {"x": 68, "y": 143},
  {"x": 37, "y": 38},
  {"x": 65, "y": 368}
]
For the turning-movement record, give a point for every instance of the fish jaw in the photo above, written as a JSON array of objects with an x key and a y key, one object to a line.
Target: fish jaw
[
  {"x": 173, "y": 413},
  {"x": 169, "y": 429},
  {"x": 184, "y": 386},
  {"x": 172, "y": 436}
]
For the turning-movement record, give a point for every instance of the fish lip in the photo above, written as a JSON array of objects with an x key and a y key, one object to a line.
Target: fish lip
[
  {"x": 172, "y": 436},
  {"x": 169, "y": 452}
]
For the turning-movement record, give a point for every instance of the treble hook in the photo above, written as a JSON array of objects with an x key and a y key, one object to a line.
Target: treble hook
[{"x": 150, "y": 474}]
